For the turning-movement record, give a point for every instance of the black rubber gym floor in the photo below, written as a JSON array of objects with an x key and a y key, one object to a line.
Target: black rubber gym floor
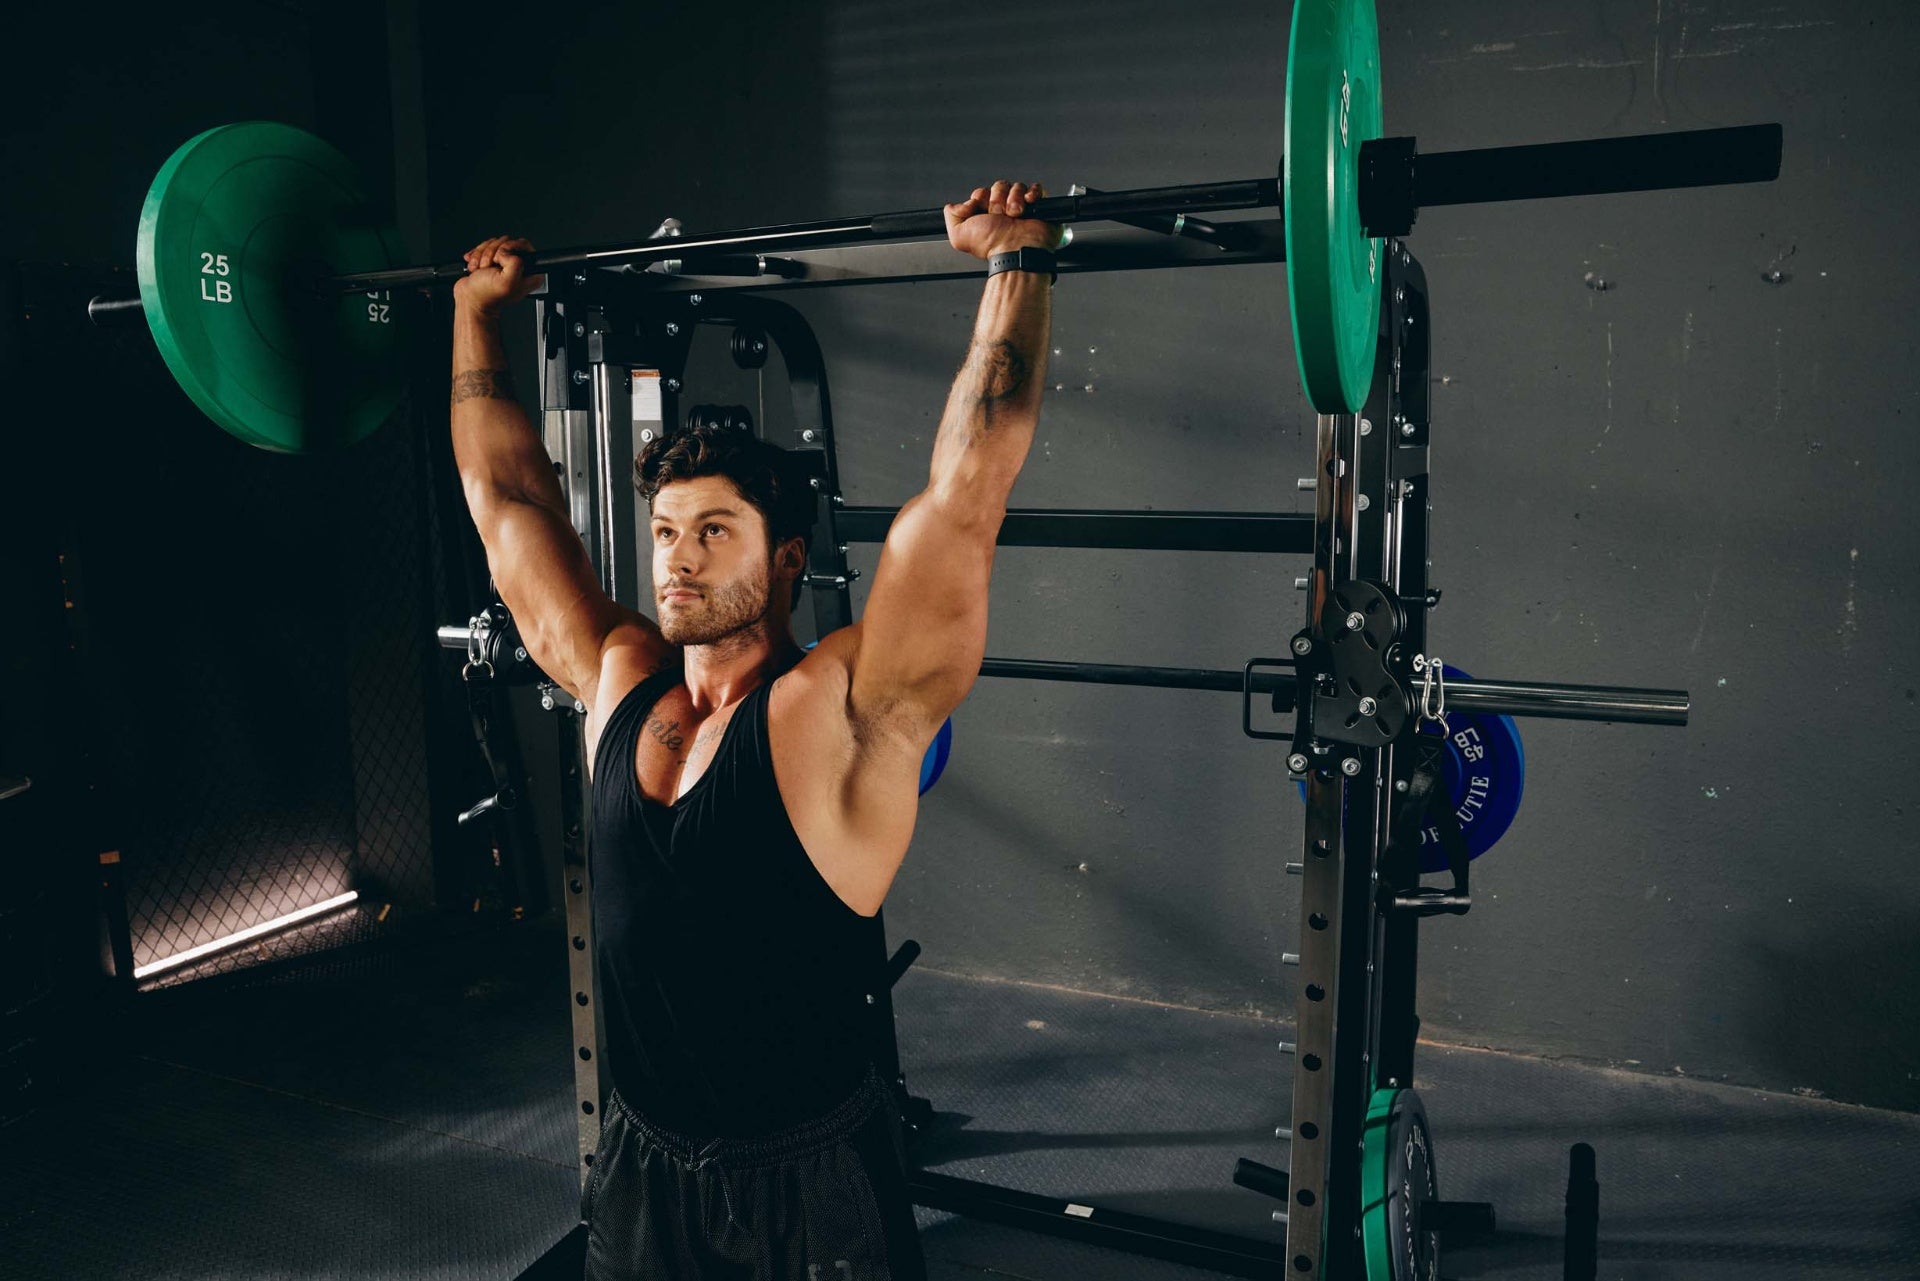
[{"x": 404, "y": 1110}]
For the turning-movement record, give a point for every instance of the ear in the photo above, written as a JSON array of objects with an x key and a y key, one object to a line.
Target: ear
[{"x": 793, "y": 556}]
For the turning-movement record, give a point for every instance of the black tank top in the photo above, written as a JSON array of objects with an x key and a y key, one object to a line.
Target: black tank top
[{"x": 734, "y": 982}]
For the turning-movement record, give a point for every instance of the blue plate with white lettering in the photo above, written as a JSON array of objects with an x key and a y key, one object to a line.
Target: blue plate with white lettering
[{"x": 1483, "y": 770}]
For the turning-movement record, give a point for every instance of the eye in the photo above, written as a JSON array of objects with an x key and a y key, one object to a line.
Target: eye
[{"x": 721, "y": 528}]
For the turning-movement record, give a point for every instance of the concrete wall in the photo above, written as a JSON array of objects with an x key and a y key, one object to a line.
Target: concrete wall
[
  {"x": 1690, "y": 478},
  {"x": 95, "y": 101}
]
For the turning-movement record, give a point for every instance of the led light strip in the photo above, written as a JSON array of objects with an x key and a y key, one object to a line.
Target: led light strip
[{"x": 254, "y": 932}]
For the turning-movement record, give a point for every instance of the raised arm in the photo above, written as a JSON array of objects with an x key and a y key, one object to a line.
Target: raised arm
[
  {"x": 924, "y": 632},
  {"x": 535, "y": 556}
]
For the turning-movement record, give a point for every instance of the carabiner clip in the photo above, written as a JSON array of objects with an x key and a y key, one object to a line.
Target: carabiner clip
[
  {"x": 1433, "y": 691},
  {"x": 477, "y": 628}
]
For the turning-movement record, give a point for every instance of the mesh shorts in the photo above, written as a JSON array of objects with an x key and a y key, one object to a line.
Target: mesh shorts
[{"x": 824, "y": 1201}]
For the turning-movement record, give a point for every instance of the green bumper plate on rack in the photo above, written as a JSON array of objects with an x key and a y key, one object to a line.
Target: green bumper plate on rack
[
  {"x": 1397, "y": 1176},
  {"x": 239, "y": 231},
  {"x": 1333, "y": 268}
]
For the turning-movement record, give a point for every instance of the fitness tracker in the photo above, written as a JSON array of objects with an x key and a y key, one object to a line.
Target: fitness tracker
[{"x": 1025, "y": 258}]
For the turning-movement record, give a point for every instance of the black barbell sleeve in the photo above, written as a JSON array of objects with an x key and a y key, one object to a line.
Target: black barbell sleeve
[{"x": 1644, "y": 162}]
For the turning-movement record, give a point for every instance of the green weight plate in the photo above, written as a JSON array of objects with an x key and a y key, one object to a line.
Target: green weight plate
[
  {"x": 1396, "y": 1177},
  {"x": 239, "y": 230},
  {"x": 1333, "y": 268}
]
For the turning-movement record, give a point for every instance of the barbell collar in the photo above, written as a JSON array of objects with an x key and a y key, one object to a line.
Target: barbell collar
[{"x": 1387, "y": 206}]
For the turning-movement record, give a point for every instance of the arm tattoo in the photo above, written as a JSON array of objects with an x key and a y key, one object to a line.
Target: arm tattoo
[
  {"x": 474, "y": 384},
  {"x": 1003, "y": 376}
]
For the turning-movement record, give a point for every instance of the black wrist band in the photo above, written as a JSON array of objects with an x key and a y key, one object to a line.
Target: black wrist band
[{"x": 1026, "y": 258}]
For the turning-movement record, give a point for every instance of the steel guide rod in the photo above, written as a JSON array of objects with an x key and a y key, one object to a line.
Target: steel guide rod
[{"x": 1571, "y": 702}]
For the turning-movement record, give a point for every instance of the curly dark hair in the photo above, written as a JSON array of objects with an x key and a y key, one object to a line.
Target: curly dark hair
[{"x": 774, "y": 480}]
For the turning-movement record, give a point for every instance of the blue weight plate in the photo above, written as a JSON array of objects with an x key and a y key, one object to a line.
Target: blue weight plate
[
  {"x": 935, "y": 761},
  {"x": 1484, "y": 770}
]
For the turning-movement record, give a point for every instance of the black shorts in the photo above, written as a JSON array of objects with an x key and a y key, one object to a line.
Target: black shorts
[{"x": 824, "y": 1201}]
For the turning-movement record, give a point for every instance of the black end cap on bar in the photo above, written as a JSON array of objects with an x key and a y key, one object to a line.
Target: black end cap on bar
[
  {"x": 1261, "y": 1178},
  {"x": 1457, "y": 1222}
]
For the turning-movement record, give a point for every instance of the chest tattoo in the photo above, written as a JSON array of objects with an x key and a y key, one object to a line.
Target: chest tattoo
[
  {"x": 666, "y": 732},
  {"x": 702, "y": 740}
]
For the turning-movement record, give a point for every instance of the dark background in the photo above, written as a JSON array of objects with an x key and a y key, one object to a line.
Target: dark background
[{"x": 1695, "y": 477}]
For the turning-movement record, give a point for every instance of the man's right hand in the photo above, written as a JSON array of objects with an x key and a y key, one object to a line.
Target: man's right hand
[
  {"x": 495, "y": 276},
  {"x": 993, "y": 220}
]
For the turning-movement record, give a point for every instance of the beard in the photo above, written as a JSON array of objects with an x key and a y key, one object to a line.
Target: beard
[{"x": 727, "y": 612}]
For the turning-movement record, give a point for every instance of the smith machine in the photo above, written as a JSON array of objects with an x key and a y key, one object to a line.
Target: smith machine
[
  {"x": 269, "y": 289},
  {"x": 616, "y": 347}
]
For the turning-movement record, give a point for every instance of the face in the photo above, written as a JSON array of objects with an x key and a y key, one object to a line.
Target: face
[{"x": 711, "y": 569}]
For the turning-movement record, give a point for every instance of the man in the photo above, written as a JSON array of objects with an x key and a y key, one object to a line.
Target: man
[{"x": 753, "y": 801}]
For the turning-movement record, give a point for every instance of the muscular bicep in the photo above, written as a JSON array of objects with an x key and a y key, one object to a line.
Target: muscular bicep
[
  {"x": 924, "y": 632},
  {"x": 542, "y": 571}
]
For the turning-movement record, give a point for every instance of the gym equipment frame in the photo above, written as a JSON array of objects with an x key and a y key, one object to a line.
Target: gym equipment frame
[
  {"x": 267, "y": 284},
  {"x": 1361, "y": 1191}
]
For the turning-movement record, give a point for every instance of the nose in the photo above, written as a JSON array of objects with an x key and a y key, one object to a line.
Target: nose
[{"x": 682, "y": 561}]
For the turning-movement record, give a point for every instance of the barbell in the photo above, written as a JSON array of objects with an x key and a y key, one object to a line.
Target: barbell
[{"x": 267, "y": 282}]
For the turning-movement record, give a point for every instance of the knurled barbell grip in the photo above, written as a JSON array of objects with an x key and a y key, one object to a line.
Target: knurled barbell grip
[
  {"x": 1250, "y": 193},
  {"x": 917, "y": 222}
]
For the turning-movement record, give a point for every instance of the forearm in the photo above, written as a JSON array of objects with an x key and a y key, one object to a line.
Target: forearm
[
  {"x": 497, "y": 451},
  {"x": 987, "y": 428}
]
